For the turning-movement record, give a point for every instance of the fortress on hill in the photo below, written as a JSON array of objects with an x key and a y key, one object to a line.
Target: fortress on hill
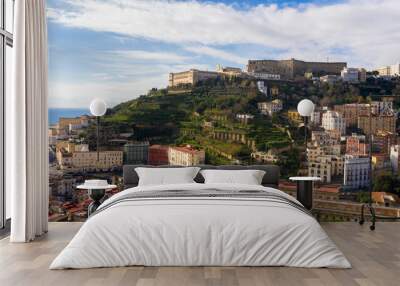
[
  {"x": 260, "y": 69},
  {"x": 290, "y": 69}
]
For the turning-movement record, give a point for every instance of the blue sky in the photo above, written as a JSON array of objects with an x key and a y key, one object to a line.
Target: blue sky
[{"x": 119, "y": 49}]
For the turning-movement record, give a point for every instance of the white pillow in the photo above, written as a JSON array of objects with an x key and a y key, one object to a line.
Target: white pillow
[
  {"x": 166, "y": 176},
  {"x": 248, "y": 177}
]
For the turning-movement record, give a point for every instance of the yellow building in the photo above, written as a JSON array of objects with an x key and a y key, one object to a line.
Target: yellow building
[
  {"x": 192, "y": 77},
  {"x": 294, "y": 116},
  {"x": 185, "y": 156},
  {"x": 71, "y": 156},
  {"x": 325, "y": 162}
]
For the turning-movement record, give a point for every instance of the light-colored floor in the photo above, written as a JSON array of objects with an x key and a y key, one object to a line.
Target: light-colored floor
[{"x": 375, "y": 257}]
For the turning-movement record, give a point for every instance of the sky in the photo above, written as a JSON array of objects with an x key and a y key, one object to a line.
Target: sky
[{"x": 119, "y": 49}]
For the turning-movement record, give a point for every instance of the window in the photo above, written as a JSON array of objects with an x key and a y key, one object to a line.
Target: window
[{"x": 6, "y": 42}]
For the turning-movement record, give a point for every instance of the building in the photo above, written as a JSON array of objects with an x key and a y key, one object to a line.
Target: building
[
  {"x": 269, "y": 108},
  {"x": 192, "y": 77},
  {"x": 323, "y": 138},
  {"x": 244, "y": 118},
  {"x": 262, "y": 87},
  {"x": 382, "y": 122},
  {"x": 88, "y": 161},
  {"x": 395, "y": 70},
  {"x": 332, "y": 120},
  {"x": 353, "y": 75},
  {"x": 394, "y": 158},
  {"x": 384, "y": 71},
  {"x": 330, "y": 78},
  {"x": 325, "y": 161},
  {"x": 294, "y": 116},
  {"x": 356, "y": 145},
  {"x": 264, "y": 76},
  {"x": 351, "y": 111},
  {"x": 65, "y": 122},
  {"x": 382, "y": 107},
  {"x": 389, "y": 71},
  {"x": 382, "y": 141},
  {"x": 265, "y": 157},
  {"x": 380, "y": 161},
  {"x": 316, "y": 117},
  {"x": 326, "y": 167},
  {"x": 290, "y": 69},
  {"x": 185, "y": 156},
  {"x": 136, "y": 153},
  {"x": 356, "y": 172},
  {"x": 158, "y": 155},
  {"x": 229, "y": 71}
]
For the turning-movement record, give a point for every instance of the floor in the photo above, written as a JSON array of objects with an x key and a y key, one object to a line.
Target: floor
[{"x": 375, "y": 257}]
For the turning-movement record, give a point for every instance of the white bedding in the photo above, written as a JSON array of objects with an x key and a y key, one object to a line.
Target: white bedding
[{"x": 194, "y": 231}]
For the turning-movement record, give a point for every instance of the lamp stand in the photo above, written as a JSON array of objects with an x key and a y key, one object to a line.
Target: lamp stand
[{"x": 97, "y": 143}]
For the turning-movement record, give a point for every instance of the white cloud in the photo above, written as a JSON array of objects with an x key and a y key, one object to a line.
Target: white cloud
[
  {"x": 150, "y": 56},
  {"x": 364, "y": 32},
  {"x": 216, "y": 53}
]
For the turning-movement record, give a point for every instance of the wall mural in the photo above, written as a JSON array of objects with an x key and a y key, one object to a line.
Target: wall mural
[{"x": 186, "y": 91}]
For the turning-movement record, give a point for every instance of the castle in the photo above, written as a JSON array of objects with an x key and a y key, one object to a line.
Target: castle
[{"x": 290, "y": 69}]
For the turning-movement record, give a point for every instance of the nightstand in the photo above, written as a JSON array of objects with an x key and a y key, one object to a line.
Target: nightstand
[{"x": 305, "y": 190}]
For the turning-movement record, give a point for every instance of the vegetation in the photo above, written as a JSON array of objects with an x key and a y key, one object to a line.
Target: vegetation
[{"x": 178, "y": 116}]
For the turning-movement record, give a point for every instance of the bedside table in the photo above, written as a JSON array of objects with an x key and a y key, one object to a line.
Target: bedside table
[
  {"x": 305, "y": 190},
  {"x": 96, "y": 191}
]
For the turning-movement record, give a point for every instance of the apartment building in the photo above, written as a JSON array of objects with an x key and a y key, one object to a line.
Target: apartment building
[
  {"x": 353, "y": 75},
  {"x": 185, "y": 156},
  {"x": 382, "y": 141},
  {"x": 356, "y": 145},
  {"x": 356, "y": 172},
  {"x": 322, "y": 138},
  {"x": 325, "y": 162},
  {"x": 158, "y": 155},
  {"x": 351, "y": 111},
  {"x": 269, "y": 108},
  {"x": 88, "y": 161},
  {"x": 332, "y": 120},
  {"x": 382, "y": 122},
  {"x": 136, "y": 153}
]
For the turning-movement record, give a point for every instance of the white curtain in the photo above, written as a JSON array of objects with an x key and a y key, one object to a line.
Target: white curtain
[{"x": 27, "y": 141}]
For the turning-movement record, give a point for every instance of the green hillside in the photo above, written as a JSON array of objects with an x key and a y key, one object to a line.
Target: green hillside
[{"x": 192, "y": 115}]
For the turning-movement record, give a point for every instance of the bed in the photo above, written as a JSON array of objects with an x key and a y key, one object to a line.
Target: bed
[{"x": 197, "y": 224}]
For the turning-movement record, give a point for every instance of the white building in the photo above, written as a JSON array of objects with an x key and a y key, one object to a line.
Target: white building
[
  {"x": 329, "y": 78},
  {"x": 266, "y": 76},
  {"x": 394, "y": 158},
  {"x": 244, "y": 118},
  {"x": 395, "y": 70},
  {"x": 316, "y": 117},
  {"x": 262, "y": 87},
  {"x": 389, "y": 71},
  {"x": 356, "y": 172},
  {"x": 269, "y": 108},
  {"x": 332, "y": 120},
  {"x": 350, "y": 74}
]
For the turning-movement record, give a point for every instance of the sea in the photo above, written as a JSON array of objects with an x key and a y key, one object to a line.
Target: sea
[{"x": 56, "y": 113}]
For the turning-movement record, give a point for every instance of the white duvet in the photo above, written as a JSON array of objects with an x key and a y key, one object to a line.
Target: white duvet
[{"x": 202, "y": 232}]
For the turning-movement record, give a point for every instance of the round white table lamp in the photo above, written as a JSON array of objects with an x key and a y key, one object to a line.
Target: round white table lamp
[
  {"x": 98, "y": 107},
  {"x": 305, "y": 107}
]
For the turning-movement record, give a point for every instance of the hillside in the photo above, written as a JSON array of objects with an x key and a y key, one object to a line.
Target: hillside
[{"x": 205, "y": 116}]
